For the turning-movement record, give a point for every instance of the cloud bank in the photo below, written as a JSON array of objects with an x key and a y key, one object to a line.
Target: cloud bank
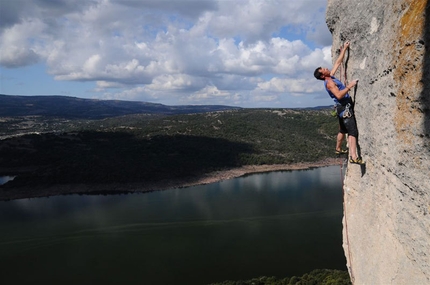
[{"x": 250, "y": 53}]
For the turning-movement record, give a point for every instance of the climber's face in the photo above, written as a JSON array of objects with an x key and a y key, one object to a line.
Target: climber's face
[{"x": 325, "y": 71}]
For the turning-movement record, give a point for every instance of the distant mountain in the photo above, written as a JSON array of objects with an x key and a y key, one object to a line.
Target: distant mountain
[{"x": 78, "y": 108}]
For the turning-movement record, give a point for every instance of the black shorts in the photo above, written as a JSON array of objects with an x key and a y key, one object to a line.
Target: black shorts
[
  {"x": 342, "y": 127},
  {"x": 348, "y": 126}
]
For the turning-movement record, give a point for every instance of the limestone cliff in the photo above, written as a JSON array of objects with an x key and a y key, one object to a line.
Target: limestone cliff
[{"x": 387, "y": 201}]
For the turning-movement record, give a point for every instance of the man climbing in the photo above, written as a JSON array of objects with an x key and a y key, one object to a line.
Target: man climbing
[{"x": 344, "y": 105}]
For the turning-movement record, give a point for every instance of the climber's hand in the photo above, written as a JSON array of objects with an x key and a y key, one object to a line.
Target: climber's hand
[
  {"x": 346, "y": 44},
  {"x": 352, "y": 83}
]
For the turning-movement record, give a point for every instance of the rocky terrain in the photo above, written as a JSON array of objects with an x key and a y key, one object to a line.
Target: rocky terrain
[{"x": 387, "y": 201}]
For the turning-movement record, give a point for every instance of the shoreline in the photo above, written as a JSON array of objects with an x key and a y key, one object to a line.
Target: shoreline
[
  {"x": 125, "y": 188},
  {"x": 218, "y": 176}
]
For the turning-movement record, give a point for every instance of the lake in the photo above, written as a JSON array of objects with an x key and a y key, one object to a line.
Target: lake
[
  {"x": 4, "y": 179},
  {"x": 272, "y": 224}
]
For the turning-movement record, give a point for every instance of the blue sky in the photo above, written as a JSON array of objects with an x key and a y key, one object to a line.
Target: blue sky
[{"x": 247, "y": 53}]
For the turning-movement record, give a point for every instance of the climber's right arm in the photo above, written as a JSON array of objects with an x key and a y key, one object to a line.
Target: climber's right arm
[{"x": 339, "y": 94}]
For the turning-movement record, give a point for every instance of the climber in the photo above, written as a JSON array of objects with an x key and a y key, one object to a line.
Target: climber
[{"x": 344, "y": 105}]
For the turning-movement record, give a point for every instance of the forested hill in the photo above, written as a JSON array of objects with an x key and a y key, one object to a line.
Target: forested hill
[
  {"x": 274, "y": 135},
  {"x": 143, "y": 148},
  {"x": 78, "y": 108}
]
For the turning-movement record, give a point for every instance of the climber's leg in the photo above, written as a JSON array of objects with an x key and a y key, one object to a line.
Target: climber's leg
[{"x": 351, "y": 126}]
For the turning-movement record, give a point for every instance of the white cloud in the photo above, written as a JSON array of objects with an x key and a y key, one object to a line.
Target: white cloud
[
  {"x": 209, "y": 92},
  {"x": 287, "y": 85},
  {"x": 255, "y": 20},
  {"x": 176, "y": 82},
  {"x": 18, "y": 46},
  {"x": 176, "y": 51},
  {"x": 318, "y": 57},
  {"x": 102, "y": 85}
]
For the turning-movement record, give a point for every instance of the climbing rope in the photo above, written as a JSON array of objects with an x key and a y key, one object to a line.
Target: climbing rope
[
  {"x": 342, "y": 166},
  {"x": 343, "y": 67},
  {"x": 345, "y": 63},
  {"x": 344, "y": 79}
]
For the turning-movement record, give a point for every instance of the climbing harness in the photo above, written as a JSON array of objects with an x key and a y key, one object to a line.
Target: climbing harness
[
  {"x": 347, "y": 112},
  {"x": 344, "y": 113}
]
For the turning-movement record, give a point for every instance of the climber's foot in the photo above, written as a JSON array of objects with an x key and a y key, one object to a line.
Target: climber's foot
[
  {"x": 341, "y": 151},
  {"x": 358, "y": 160}
]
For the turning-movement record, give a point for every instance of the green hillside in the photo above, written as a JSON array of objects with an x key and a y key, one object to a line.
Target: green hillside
[
  {"x": 141, "y": 148},
  {"x": 273, "y": 135}
]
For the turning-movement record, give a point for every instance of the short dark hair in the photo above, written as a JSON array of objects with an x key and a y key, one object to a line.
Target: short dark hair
[{"x": 317, "y": 73}]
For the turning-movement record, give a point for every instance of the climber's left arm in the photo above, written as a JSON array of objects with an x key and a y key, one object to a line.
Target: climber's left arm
[{"x": 340, "y": 58}]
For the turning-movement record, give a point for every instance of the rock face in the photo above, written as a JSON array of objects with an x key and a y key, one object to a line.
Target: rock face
[{"x": 387, "y": 201}]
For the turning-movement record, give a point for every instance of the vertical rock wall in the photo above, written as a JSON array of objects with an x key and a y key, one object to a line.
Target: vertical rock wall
[{"x": 387, "y": 201}]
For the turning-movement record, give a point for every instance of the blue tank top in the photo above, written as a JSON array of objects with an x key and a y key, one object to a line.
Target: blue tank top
[{"x": 339, "y": 85}]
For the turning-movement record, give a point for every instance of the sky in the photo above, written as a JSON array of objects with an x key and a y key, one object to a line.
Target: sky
[{"x": 245, "y": 53}]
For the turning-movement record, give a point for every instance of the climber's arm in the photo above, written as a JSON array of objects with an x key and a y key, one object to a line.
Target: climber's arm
[
  {"x": 339, "y": 94},
  {"x": 339, "y": 59}
]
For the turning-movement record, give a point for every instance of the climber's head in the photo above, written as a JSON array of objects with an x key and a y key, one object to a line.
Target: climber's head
[{"x": 321, "y": 73}]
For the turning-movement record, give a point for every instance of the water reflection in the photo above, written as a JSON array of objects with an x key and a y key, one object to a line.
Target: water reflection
[
  {"x": 4, "y": 179},
  {"x": 279, "y": 223}
]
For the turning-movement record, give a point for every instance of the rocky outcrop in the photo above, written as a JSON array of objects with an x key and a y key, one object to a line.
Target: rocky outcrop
[{"x": 387, "y": 201}]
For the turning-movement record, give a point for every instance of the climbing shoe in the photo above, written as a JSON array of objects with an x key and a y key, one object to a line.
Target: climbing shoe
[
  {"x": 358, "y": 160},
  {"x": 342, "y": 151}
]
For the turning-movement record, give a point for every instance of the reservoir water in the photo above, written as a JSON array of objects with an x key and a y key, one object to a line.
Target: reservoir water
[
  {"x": 4, "y": 179},
  {"x": 273, "y": 224}
]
